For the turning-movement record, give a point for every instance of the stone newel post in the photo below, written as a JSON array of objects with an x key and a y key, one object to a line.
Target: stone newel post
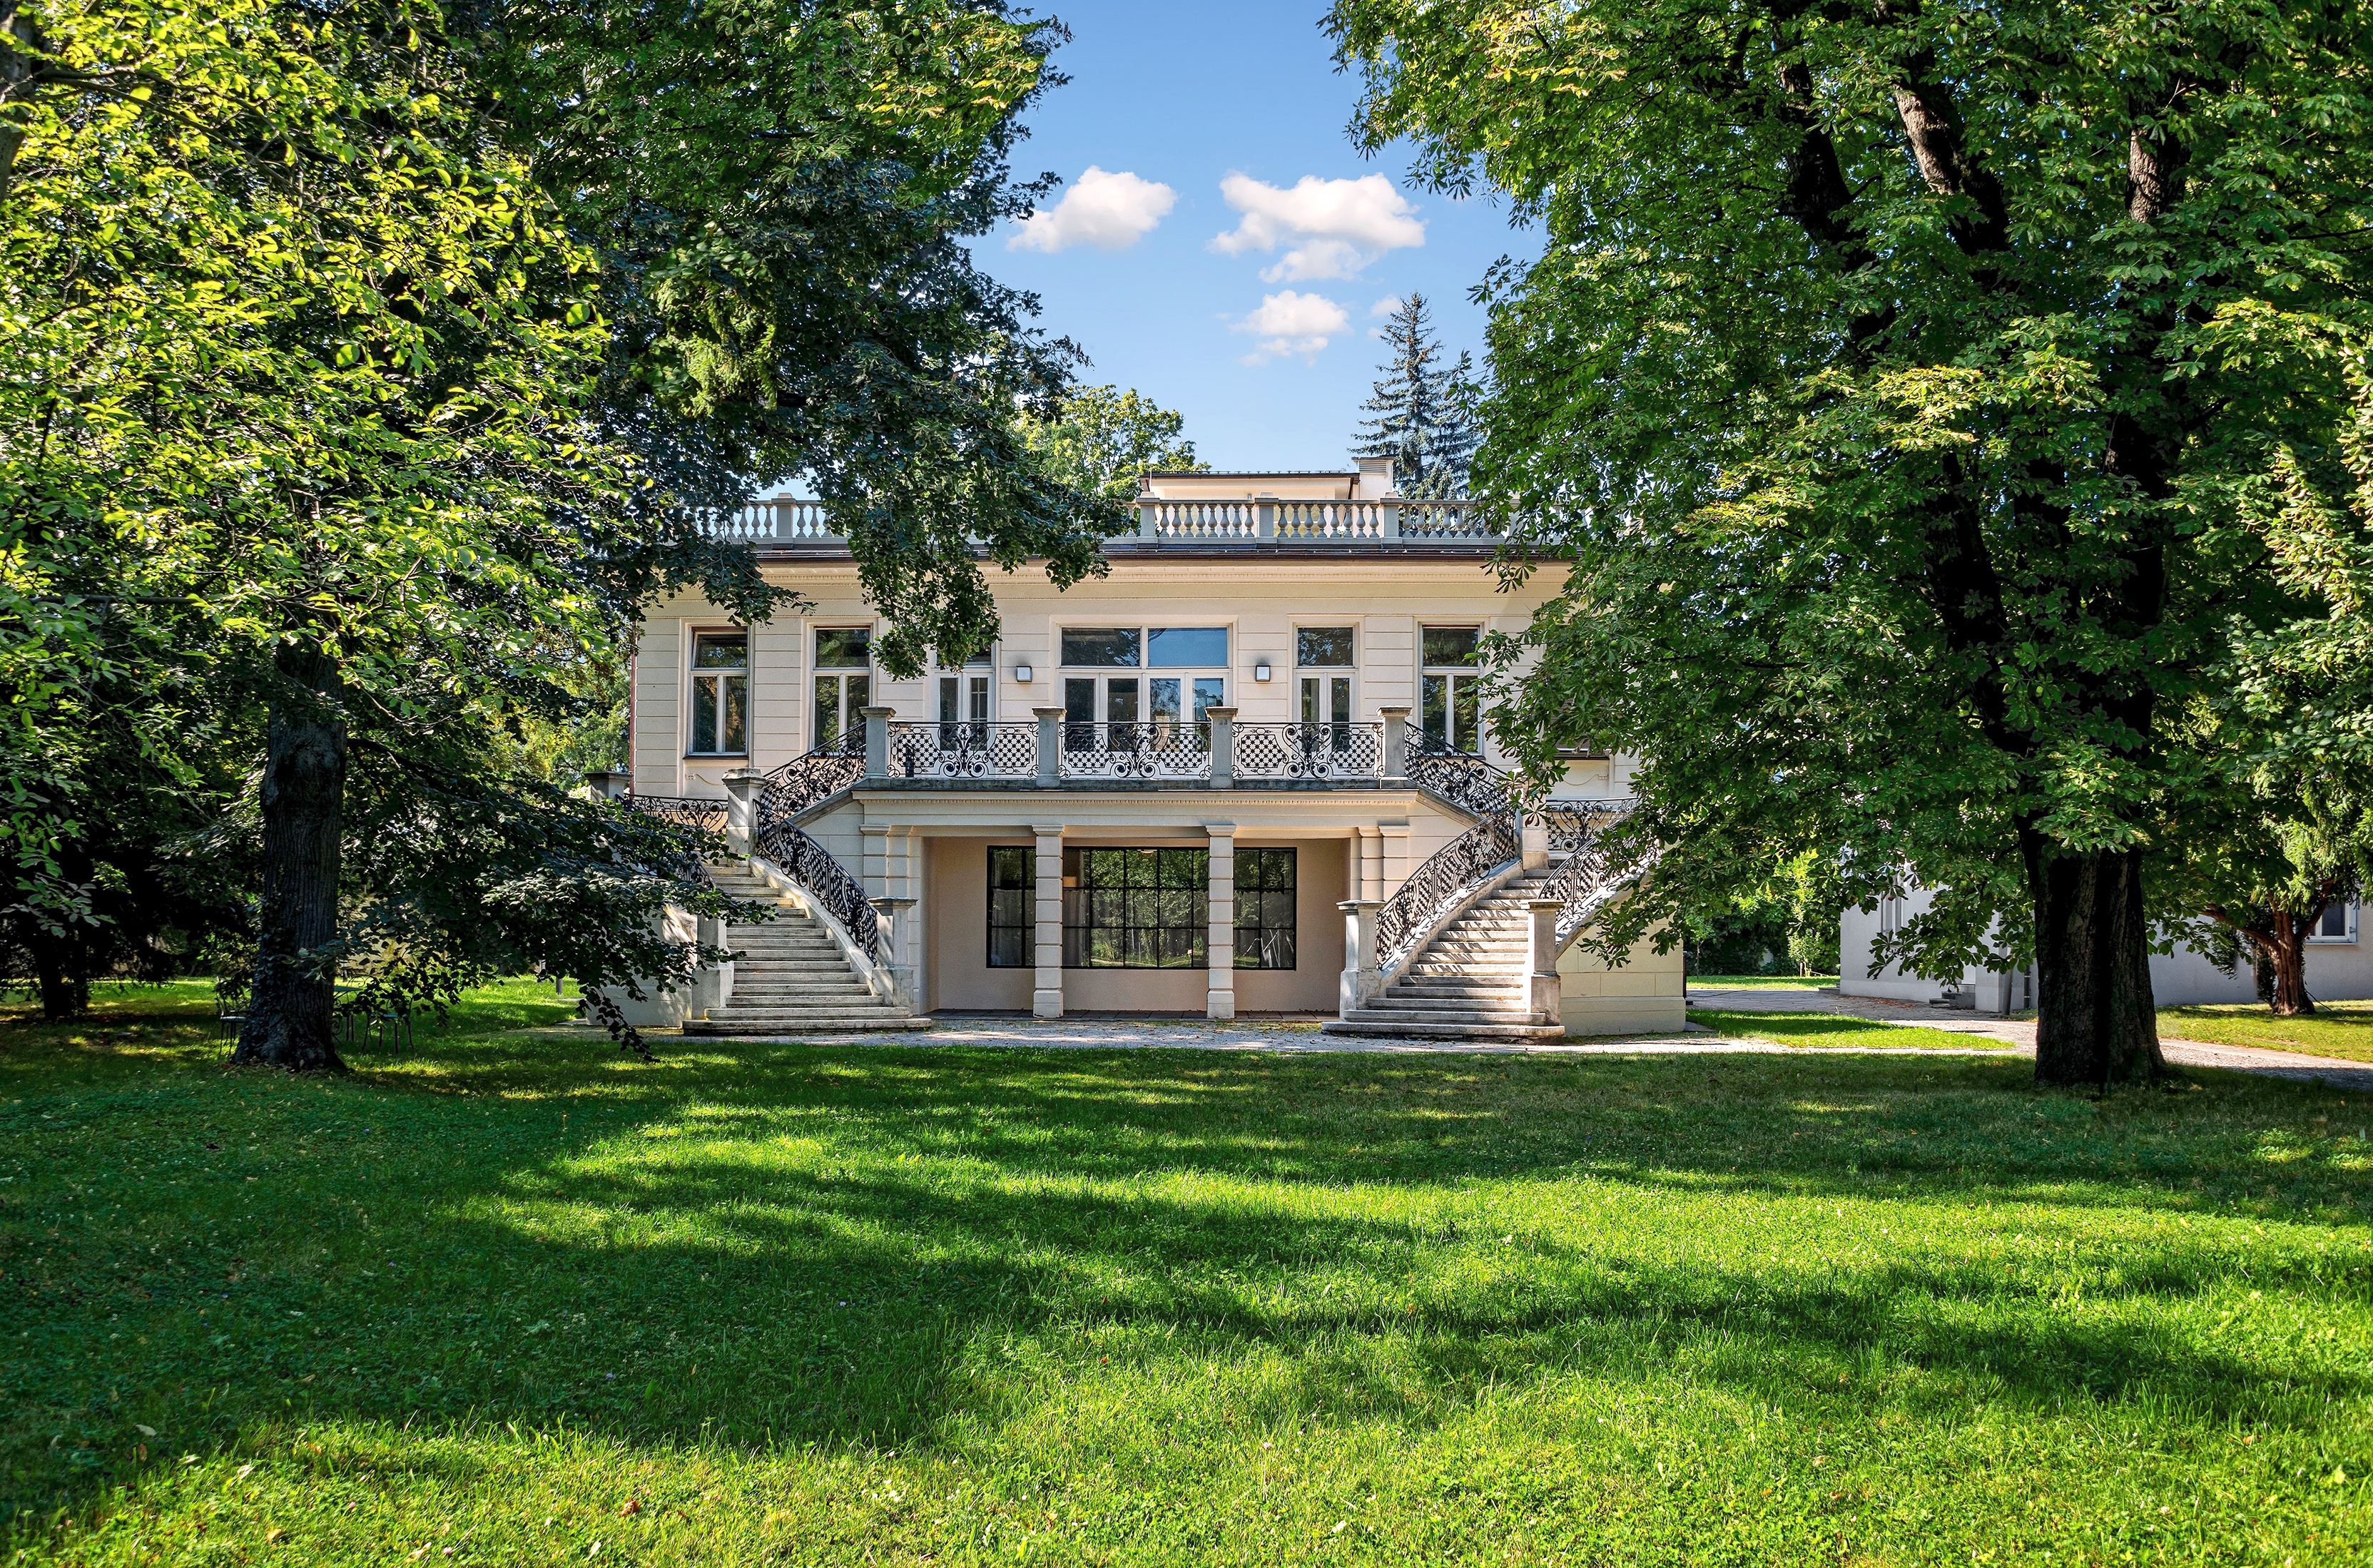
[
  {"x": 1224, "y": 746},
  {"x": 743, "y": 787},
  {"x": 1050, "y": 746},
  {"x": 1363, "y": 980},
  {"x": 1545, "y": 994},
  {"x": 877, "y": 741},
  {"x": 608, "y": 785},
  {"x": 1396, "y": 721},
  {"x": 1532, "y": 839}
]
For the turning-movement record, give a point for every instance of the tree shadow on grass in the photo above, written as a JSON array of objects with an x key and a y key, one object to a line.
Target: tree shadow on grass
[{"x": 803, "y": 1246}]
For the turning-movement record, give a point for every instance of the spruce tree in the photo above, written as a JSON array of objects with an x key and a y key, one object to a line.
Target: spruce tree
[{"x": 1422, "y": 416}]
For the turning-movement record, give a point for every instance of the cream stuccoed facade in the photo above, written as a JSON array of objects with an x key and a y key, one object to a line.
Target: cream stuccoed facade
[{"x": 1203, "y": 783}]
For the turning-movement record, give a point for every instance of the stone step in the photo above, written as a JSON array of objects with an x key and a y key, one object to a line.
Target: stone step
[
  {"x": 1465, "y": 1009},
  {"x": 875, "y": 1024},
  {"x": 852, "y": 1007},
  {"x": 1384, "y": 1026}
]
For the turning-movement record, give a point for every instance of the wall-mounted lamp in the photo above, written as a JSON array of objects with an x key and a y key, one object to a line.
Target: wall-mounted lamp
[
  {"x": 1021, "y": 673},
  {"x": 1260, "y": 670}
]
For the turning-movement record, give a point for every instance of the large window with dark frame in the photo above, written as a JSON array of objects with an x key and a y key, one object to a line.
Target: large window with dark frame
[
  {"x": 1127, "y": 907},
  {"x": 1013, "y": 884},
  {"x": 1265, "y": 926}
]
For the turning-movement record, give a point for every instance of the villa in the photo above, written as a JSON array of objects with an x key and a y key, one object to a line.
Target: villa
[{"x": 1245, "y": 772}]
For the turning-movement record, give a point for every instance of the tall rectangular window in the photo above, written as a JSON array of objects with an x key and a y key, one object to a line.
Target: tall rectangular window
[
  {"x": 844, "y": 683},
  {"x": 720, "y": 694},
  {"x": 1129, "y": 909},
  {"x": 1012, "y": 916},
  {"x": 1450, "y": 707},
  {"x": 1264, "y": 917},
  {"x": 2333, "y": 924}
]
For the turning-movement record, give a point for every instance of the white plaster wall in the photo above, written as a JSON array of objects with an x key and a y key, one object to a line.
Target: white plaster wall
[
  {"x": 2335, "y": 972},
  {"x": 1645, "y": 996}
]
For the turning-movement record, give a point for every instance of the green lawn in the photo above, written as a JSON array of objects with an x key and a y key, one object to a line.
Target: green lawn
[
  {"x": 511, "y": 1299},
  {"x": 2342, "y": 1029},
  {"x": 1834, "y": 1031},
  {"x": 1762, "y": 982}
]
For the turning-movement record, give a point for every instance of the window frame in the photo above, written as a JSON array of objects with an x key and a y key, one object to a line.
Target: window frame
[
  {"x": 1452, "y": 676},
  {"x": 1260, "y": 907},
  {"x": 818, "y": 671},
  {"x": 1121, "y": 734},
  {"x": 714, "y": 678},
  {"x": 1024, "y": 947},
  {"x": 2348, "y": 926}
]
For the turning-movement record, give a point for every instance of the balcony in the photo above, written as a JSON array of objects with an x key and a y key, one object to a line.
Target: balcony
[{"x": 1254, "y": 523}]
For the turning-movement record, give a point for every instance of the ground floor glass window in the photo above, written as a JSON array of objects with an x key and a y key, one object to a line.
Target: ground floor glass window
[
  {"x": 1011, "y": 920},
  {"x": 1125, "y": 907}
]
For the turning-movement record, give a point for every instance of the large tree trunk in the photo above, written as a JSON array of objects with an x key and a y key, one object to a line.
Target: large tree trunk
[
  {"x": 289, "y": 1014},
  {"x": 2095, "y": 1022},
  {"x": 2285, "y": 947}
]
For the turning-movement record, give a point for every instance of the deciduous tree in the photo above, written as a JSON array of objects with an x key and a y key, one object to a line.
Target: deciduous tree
[
  {"x": 1891, "y": 388},
  {"x": 1105, "y": 437}
]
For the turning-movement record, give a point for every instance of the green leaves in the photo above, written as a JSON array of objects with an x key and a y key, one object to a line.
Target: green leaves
[{"x": 1907, "y": 395}]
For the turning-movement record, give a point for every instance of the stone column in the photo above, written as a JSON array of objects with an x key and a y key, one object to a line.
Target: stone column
[
  {"x": 608, "y": 785},
  {"x": 1265, "y": 517},
  {"x": 1363, "y": 980},
  {"x": 1545, "y": 995},
  {"x": 1050, "y": 746},
  {"x": 1220, "y": 996},
  {"x": 1395, "y": 722},
  {"x": 743, "y": 787},
  {"x": 877, "y": 741},
  {"x": 1224, "y": 746},
  {"x": 1046, "y": 1001},
  {"x": 1389, "y": 518}
]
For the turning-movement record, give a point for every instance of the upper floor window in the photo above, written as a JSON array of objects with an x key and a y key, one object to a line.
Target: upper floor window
[
  {"x": 1135, "y": 710},
  {"x": 844, "y": 682},
  {"x": 1318, "y": 650},
  {"x": 721, "y": 694},
  {"x": 2337, "y": 923},
  {"x": 1323, "y": 648},
  {"x": 1129, "y": 648},
  {"x": 1450, "y": 705}
]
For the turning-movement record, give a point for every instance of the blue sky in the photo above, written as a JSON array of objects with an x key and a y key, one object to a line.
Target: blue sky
[{"x": 1237, "y": 110}]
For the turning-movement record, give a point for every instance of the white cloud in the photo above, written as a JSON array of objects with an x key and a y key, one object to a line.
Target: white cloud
[
  {"x": 1383, "y": 307},
  {"x": 1111, "y": 212},
  {"x": 1334, "y": 227},
  {"x": 1288, "y": 322}
]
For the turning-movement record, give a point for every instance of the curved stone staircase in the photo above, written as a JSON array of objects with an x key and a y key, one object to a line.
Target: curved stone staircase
[
  {"x": 1469, "y": 983},
  {"x": 792, "y": 978}
]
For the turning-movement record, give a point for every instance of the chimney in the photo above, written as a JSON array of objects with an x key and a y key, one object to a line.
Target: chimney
[{"x": 1375, "y": 478}]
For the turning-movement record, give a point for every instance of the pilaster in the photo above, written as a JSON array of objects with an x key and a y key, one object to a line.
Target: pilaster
[
  {"x": 1219, "y": 948},
  {"x": 1046, "y": 999}
]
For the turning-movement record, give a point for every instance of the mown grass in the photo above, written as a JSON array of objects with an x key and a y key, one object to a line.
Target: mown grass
[
  {"x": 1835, "y": 1032},
  {"x": 2338, "y": 1029},
  {"x": 510, "y": 1299}
]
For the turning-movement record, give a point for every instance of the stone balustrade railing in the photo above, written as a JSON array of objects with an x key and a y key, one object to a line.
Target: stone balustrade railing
[{"x": 1254, "y": 522}]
